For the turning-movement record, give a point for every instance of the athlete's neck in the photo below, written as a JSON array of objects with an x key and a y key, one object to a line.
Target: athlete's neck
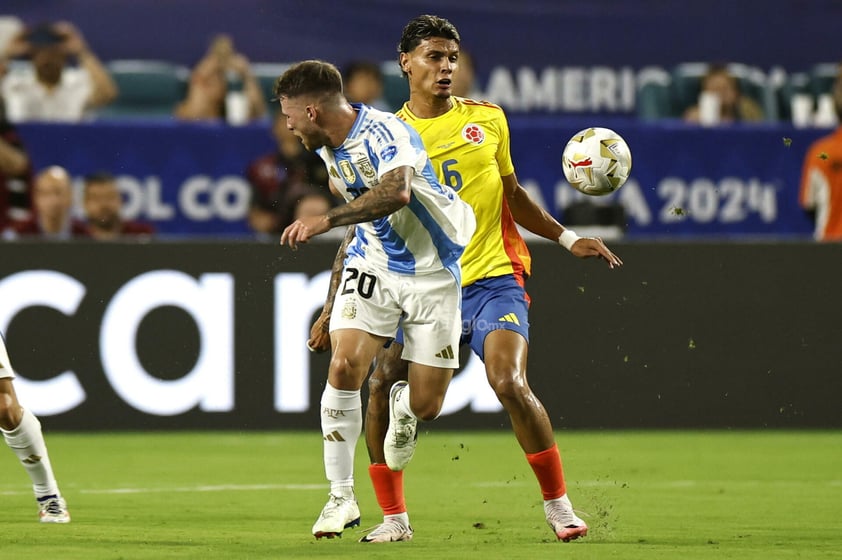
[{"x": 429, "y": 107}]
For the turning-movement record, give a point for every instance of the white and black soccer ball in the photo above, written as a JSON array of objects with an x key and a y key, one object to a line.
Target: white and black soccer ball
[{"x": 596, "y": 161}]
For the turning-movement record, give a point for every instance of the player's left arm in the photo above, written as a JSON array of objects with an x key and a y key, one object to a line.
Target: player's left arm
[
  {"x": 320, "y": 331},
  {"x": 527, "y": 213}
]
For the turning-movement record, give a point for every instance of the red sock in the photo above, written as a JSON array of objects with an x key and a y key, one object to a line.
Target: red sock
[
  {"x": 388, "y": 487},
  {"x": 547, "y": 467}
]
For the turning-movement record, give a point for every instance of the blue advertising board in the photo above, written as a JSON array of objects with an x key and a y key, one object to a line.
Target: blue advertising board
[{"x": 686, "y": 181}]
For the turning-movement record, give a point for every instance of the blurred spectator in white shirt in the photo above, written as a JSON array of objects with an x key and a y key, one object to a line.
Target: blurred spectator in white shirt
[{"x": 50, "y": 88}]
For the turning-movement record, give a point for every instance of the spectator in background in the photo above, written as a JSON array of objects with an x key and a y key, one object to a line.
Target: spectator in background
[
  {"x": 52, "y": 89},
  {"x": 103, "y": 207},
  {"x": 725, "y": 90},
  {"x": 279, "y": 179},
  {"x": 821, "y": 180},
  {"x": 314, "y": 202},
  {"x": 15, "y": 170},
  {"x": 52, "y": 200},
  {"x": 364, "y": 83},
  {"x": 221, "y": 85}
]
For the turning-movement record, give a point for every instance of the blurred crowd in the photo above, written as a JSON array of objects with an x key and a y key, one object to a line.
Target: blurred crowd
[{"x": 49, "y": 72}]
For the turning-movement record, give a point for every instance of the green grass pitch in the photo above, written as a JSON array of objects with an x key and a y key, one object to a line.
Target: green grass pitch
[{"x": 208, "y": 495}]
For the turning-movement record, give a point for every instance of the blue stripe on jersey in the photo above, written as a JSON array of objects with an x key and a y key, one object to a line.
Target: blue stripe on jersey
[
  {"x": 447, "y": 250},
  {"x": 384, "y": 132},
  {"x": 401, "y": 259},
  {"x": 357, "y": 247}
]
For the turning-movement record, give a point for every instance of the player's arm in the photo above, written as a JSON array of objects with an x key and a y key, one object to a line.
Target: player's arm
[
  {"x": 320, "y": 331},
  {"x": 527, "y": 213},
  {"x": 389, "y": 195}
]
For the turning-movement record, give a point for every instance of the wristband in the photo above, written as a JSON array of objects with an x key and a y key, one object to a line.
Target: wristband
[{"x": 567, "y": 238}]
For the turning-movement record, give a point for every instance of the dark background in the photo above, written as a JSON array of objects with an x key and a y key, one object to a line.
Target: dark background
[{"x": 691, "y": 335}]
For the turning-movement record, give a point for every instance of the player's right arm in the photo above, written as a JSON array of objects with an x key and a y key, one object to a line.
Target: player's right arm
[
  {"x": 530, "y": 215},
  {"x": 389, "y": 195}
]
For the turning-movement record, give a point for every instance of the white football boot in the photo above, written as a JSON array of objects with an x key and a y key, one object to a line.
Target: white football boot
[
  {"x": 402, "y": 434},
  {"x": 338, "y": 514},
  {"x": 394, "y": 528},
  {"x": 563, "y": 521},
  {"x": 53, "y": 509}
]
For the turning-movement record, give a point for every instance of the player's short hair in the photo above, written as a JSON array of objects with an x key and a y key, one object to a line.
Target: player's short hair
[
  {"x": 310, "y": 77},
  {"x": 424, "y": 27}
]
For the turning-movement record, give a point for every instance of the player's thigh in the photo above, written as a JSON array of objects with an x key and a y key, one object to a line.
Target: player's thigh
[{"x": 432, "y": 321}]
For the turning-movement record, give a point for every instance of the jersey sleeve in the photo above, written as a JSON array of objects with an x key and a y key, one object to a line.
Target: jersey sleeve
[
  {"x": 504, "y": 155},
  {"x": 394, "y": 147}
]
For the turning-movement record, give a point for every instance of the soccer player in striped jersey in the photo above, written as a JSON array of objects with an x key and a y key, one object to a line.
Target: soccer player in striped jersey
[
  {"x": 468, "y": 142},
  {"x": 402, "y": 266}
]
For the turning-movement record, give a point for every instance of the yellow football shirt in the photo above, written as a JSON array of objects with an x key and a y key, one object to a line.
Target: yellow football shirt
[{"x": 469, "y": 148}]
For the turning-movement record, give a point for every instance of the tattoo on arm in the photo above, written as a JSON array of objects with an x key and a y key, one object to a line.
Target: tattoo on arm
[
  {"x": 389, "y": 195},
  {"x": 336, "y": 270}
]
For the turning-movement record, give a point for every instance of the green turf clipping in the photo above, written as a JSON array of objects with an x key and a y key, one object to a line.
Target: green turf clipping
[{"x": 645, "y": 495}]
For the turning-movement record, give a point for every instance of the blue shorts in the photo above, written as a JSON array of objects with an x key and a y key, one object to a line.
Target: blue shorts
[
  {"x": 488, "y": 305},
  {"x": 491, "y": 304}
]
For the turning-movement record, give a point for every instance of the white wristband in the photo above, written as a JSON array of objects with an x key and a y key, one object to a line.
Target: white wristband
[{"x": 567, "y": 238}]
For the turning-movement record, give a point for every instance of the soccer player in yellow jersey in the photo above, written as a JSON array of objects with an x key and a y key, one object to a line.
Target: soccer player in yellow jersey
[{"x": 468, "y": 143}]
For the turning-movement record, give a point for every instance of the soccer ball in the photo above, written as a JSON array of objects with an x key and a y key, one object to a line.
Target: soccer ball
[{"x": 596, "y": 161}]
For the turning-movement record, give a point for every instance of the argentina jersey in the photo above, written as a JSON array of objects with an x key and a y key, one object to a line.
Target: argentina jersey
[{"x": 426, "y": 235}]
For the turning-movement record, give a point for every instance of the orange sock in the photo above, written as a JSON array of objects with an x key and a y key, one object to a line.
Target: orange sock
[
  {"x": 547, "y": 467},
  {"x": 388, "y": 487}
]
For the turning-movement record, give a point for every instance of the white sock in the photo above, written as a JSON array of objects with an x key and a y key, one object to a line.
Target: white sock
[
  {"x": 27, "y": 442},
  {"x": 402, "y": 405},
  {"x": 342, "y": 424}
]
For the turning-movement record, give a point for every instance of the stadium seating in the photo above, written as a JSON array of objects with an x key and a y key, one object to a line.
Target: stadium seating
[
  {"x": 395, "y": 86},
  {"x": 654, "y": 99},
  {"x": 147, "y": 88},
  {"x": 687, "y": 78},
  {"x": 267, "y": 74}
]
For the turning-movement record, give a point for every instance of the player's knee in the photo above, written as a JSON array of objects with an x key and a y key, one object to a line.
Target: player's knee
[
  {"x": 346, "y": 371},
  {"x": 508, "y": 385}
]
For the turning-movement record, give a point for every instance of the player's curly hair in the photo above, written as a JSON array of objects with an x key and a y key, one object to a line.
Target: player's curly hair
[
  {"x": 310, "y": 77},
  {"x": 424, "y": 27}
]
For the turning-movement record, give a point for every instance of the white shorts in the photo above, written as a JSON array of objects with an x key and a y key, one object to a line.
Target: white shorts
[
  {"x": 427, "y": 306},
  {"x": 5, "y": 364}
]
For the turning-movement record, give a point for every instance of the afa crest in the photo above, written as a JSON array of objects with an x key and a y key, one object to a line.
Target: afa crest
[{"x": 366, "y": 168}]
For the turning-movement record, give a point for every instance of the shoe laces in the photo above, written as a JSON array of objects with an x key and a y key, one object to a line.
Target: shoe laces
[
  {"x": 335, "y": 502},
  {"x": 558, "y": 514},
  {"x": 53, "y": 506}
]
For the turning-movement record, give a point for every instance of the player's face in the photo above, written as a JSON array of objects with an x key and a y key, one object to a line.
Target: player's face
[
  {"x": 430, "y": 66},
  {"x": 300, "y": 119}
]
